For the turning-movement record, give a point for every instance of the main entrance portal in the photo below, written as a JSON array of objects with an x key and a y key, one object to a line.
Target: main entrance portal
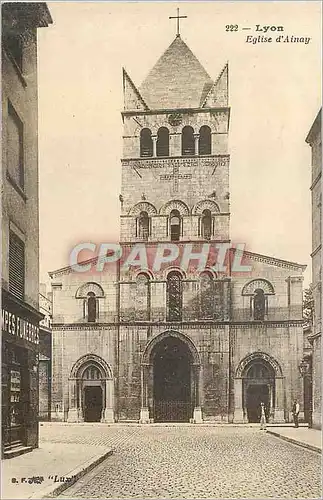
[{"x": 173, "y": 390}]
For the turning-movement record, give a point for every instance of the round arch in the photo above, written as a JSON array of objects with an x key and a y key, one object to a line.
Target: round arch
[
  {"x": 146, "y": 357},
  {"x": 265, "y": 285},
  {"x": 174, "y": 205},
  {"x": 177, "y": 269},
  {"x": 83, "y": 290},
  {"x": 88, "y": 359},
  {"x": 91, "y": 398},
  {"x": 258, "y": 356},
  {"x": 143, "y": 206},
  {"x": 209, "y": 271},
  {"x": 145, "y": 271},
  {"x": 206, "y": 205}
]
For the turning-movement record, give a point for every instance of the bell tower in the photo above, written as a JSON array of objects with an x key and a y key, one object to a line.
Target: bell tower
[{"x": 175, "y": 166}]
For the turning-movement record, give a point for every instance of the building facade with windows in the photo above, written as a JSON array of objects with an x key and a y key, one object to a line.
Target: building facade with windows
[
  {"x": 314, "y": 139},
  {"x": 177, "y": 342},
  {"x": 45, "y": 353},
  {"x": 20, "y": 253}
]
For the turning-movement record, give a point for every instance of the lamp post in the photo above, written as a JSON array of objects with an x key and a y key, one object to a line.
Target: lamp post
[{"x": 305, "y": 368}]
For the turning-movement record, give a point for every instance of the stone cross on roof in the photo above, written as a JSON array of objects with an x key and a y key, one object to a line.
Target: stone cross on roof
[{"x": 178, "y": 17}]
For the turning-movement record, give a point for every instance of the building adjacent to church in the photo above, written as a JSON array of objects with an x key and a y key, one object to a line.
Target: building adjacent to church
[
  {"x": 45, "y": 353},
  {"x": 20, "y": 241},
  {"x": 314, "y": 139},
  {"x": 177, "y": 343}
]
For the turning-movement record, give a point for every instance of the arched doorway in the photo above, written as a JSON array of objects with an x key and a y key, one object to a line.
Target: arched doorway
[
  {"x": 170, "y": 382},
  {"x": 259, "y": 378},
  {"x": 91, "y": 391},
  {"x": 258, "y": 387}
]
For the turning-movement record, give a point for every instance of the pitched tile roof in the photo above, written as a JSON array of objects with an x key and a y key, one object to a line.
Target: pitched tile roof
[{"x": 178, "y": 80}]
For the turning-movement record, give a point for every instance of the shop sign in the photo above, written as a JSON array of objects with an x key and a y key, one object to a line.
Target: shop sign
[{"x": 19, "y": 327}]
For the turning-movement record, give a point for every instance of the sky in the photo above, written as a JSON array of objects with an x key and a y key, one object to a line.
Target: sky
[{"x": 274, "y": 95}]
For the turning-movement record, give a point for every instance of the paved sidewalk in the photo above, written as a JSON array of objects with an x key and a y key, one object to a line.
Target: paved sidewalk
[
  {"x": 49, "y": 469},
  {"x": 307, "y": 438}
]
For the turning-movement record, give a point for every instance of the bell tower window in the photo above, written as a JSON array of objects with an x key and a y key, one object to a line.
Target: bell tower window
[
  {"x": 146, "y": 143},
  {"x": 175, "y": 225},
  {"x": 163, "y": 142},
  {"x": 188, "y": 141},
  {"x": 205, "y": 140},
  {"x": 143, "y": 226},
  {"x": 206, "y": 224}
]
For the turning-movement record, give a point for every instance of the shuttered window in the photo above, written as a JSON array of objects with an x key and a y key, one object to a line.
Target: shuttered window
[
  {"x": 16, "y": 266},
  {"x": 15, "y": 147}
]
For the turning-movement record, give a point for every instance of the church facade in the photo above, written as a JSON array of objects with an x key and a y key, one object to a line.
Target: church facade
[{"x": 174, "y": 342}]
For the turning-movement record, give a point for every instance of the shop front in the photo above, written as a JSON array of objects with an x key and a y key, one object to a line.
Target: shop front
[{"x": 20, "y": 344}]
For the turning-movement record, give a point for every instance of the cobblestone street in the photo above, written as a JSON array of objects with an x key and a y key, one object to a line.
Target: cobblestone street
[{"x": 194, "y": 462}]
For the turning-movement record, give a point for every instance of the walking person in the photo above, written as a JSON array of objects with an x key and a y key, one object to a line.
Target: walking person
[
  {"x": 262, "y": 417},
  {"x": 295, "y": 411}
]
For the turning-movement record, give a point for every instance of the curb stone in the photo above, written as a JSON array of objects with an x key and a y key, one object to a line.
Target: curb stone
[
  {"x": 53, "y": 491},
  {"x": 295, "y": 441}
]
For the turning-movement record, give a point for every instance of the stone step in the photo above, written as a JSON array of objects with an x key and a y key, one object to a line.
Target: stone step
[{"x": 16, "y": 451}]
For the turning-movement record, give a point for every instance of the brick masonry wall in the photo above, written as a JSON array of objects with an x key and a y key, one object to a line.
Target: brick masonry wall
[
  {"x": 212, "y": 345},
  {"x": 285, "y": 304},
  {"x": 153, "y": 179},
  {"x": 68, "y": 347},
  {"x": 283, "y": 343},
  {"x": 69, "y": 309}
]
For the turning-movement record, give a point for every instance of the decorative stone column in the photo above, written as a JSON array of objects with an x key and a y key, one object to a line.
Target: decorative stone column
[
  {"x": 271, "y": 403},
  {"x": 72, "y": 415},
  {"x": 196, "y": 143},
  {"x": 197, "y": 412},
  {"x": 279, "y": 415},
  {"x": 108, "y": 412},
  {"x": 144, "y": 411},
  {"x": 239, "y": 414},
  {"x": 154, "y": 139}
]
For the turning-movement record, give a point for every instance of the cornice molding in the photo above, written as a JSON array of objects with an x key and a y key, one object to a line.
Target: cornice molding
[{"x": 200, "y": 324}]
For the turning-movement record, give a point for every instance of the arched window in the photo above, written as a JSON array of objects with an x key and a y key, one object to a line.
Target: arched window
[
  {"x": 175, "y": 225},
  {"x": 146, "y": 143},
  {"x": 143, "y": 226},
  {"x": 91, "y": 307},
  {"x": 174, "y": 296},
  {"x": 258, "y": 290},
  {"x": 188, "y": 142},
  {"x": 259, "y": 304},
  {"x": 205, "y": 140},
  {"x": 142, "y": 297},
  {"x": 207, "y": 299},
  {"x": 163, "y": 142},
  {"x": 206, "y": 224}
]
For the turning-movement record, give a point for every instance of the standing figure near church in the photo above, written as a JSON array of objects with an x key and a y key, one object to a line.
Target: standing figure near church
[
  {"x": 295, "y": 411},
  {"x": 262, "y": 417}
]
